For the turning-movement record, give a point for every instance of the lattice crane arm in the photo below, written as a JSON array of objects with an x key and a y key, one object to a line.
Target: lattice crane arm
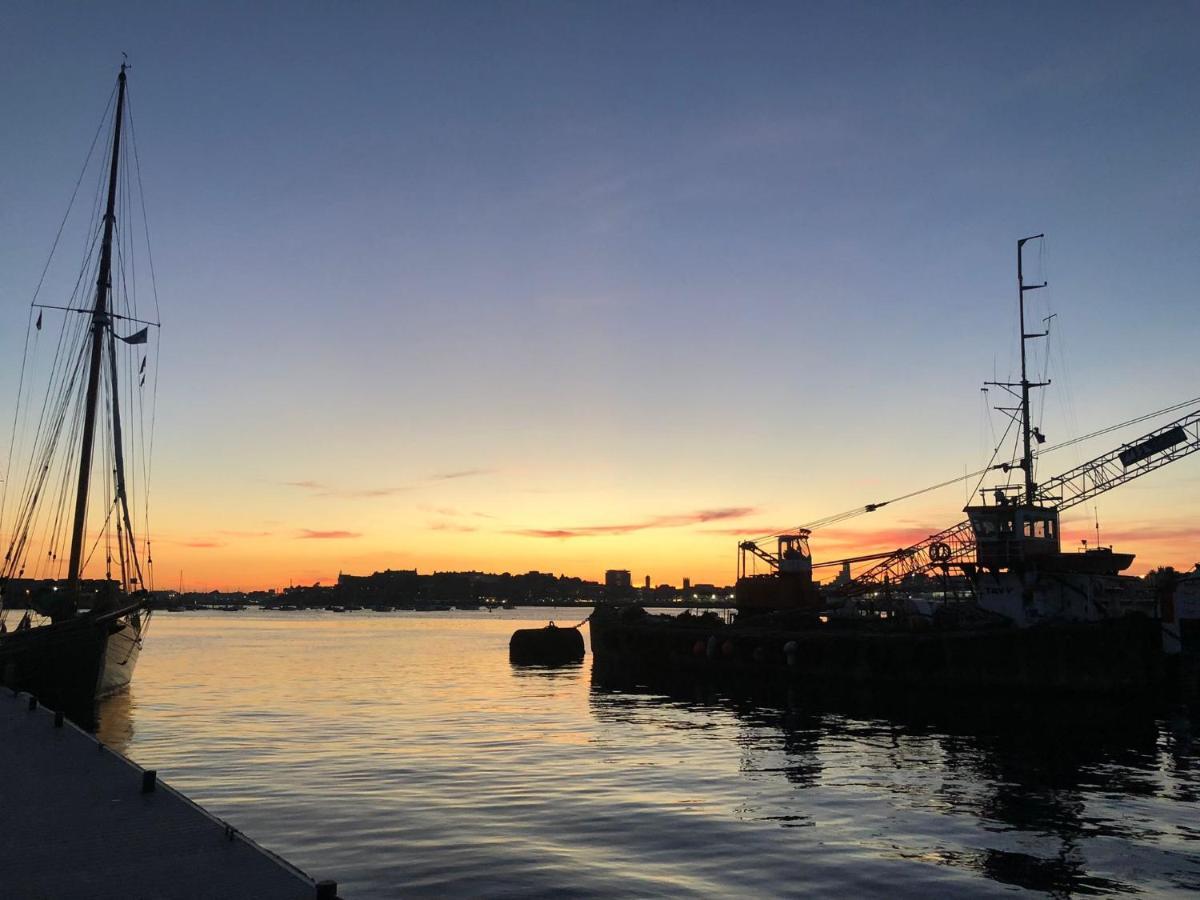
[{"x": 1152, "y": 451}]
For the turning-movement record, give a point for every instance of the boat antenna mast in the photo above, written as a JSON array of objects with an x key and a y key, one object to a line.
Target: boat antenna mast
[
  {"x": 100, "y": 321},
  {"x": 1028, "y": 433}
]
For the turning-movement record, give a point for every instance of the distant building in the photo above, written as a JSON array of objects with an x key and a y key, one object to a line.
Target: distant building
[
  {"x": 843, "y": 577},
  {"x": 618, "y": 584},
  {"x": 647, "y": 582},
  {"x": 390, "y": 587},
  {"x": 616, "y": 579}
]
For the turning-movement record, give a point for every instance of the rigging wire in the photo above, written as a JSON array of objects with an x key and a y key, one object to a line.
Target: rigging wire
[
  {"x": 147, "y": 446},
  {"x": 70, "y": 203},
  {"x": 37, "y": 290},
  {"x": 982, "y": 473}
]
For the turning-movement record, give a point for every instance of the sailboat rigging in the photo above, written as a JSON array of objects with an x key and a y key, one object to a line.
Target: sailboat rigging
[{"x": 78, "y": 637}]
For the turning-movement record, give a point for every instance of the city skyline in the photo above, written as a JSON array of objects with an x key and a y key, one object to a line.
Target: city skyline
[{"x": 562, "y": 287}]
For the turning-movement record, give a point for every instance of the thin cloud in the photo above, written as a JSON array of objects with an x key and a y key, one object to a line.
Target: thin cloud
[
  {"x": 664, "y": 521},
  {"x": 1130, "y": 537},
  {"x": 323, "y": 490},
  {"x": 439, "y": 510},
  {"x": 309, "y": 534},
  {"x": 462, "y": 473},
  {"x": 879, "y": 539},
  {"x": 203, "y": 544},
  {"x": 827, "y": 542},
  {"x": 369, "y": 493},
  {"x": 245, "y": 534},
  {"x": 749, "y": 531},
  {"x": 451, "y": 526}
]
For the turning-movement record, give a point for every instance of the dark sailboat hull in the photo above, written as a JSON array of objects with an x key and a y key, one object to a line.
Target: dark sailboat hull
[{"x": 69, "y": 665}]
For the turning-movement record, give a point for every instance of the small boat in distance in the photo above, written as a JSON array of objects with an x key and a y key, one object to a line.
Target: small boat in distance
[{"x": 77, "y": 638}]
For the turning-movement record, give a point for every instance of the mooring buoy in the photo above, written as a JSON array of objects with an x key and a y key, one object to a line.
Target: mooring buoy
[{"x": 549, "y": 646}]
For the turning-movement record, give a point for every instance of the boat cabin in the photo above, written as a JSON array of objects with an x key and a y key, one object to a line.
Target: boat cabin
[
  {"x": 794, "y": 556},
  {"x": 1013, "y": 534},
  {"x": 789, "y": 583}
]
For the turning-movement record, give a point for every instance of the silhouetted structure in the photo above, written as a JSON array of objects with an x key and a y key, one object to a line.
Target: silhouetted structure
[{"x": 618, "y": 584}]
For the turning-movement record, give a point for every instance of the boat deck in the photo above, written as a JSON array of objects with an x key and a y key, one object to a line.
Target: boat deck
[{"x": 82, "y": 821}]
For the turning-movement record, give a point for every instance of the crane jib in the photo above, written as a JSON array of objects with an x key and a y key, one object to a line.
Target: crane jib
[{"x": 1148, "y": 448}]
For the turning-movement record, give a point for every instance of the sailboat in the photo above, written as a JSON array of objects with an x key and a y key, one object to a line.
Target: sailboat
[{"x": 67, "y": 636}]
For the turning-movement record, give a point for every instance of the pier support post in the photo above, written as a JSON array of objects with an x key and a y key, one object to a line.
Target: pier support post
[
  {"x": 149, "y": 780},
  {"x": 58, "y": 719},
  {"x": 32, "y": 703},
  {"x": 326, "y": 890}
]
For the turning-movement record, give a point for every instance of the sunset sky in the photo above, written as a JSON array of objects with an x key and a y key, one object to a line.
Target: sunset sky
[{"x": 576, "y": 286}]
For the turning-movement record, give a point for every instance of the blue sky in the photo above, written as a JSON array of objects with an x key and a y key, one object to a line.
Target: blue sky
[{"x": 622, "y": 262}]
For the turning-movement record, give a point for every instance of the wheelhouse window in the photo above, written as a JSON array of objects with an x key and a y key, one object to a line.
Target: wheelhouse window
[{"x": 1039, "y": 528}]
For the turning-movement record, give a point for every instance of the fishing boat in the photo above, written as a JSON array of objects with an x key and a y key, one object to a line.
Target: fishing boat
[
  {"x": 67, "y": 635},
  {"x": 992, "y": 603}
]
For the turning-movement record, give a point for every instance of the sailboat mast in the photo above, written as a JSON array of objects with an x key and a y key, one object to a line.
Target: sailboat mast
[
  {"x": 1026, "y": 429},
  {"x": 100, "y": 319}
]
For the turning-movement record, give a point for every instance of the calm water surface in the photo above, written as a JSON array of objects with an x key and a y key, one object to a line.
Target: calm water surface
[{"x": 401, "y": 754}]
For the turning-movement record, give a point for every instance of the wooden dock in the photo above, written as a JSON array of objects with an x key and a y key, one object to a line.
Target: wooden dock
[{"x": 79, "y": 820}]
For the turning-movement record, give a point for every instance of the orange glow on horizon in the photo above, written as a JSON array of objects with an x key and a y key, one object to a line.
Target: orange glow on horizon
[{"x": 269, "y": 561}]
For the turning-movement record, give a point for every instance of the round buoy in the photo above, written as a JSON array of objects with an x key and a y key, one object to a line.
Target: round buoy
[{"x": 549, "y": 646}]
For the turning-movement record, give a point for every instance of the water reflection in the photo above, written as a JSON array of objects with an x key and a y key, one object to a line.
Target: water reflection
[
  {"x": 1031, "y": 795},
  {"x": 572, "y": 671},
  {"x": 404, "y": 755},
  {"x": 114, "y": 720}
]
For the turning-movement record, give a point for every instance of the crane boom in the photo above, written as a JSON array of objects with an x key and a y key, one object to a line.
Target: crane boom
[
  {"x": 956, "y": 544},
  {"x": 1151, "y": 451}
]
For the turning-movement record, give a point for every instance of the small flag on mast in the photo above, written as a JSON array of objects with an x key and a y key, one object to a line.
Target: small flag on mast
[
  {"x": 38, "y": 324},
  {"x": 137, "y": 338},
  {"x": 142, "y": 367}
]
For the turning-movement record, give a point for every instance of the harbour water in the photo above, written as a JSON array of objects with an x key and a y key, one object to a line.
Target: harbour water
[{"x": 401, "y": 755}]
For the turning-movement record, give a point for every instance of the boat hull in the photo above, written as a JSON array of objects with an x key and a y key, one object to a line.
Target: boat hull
[
  {"x": 69, "y": 665},
  {"x": 120, "y": 657},
  {"x": 1118, "y": 656}
]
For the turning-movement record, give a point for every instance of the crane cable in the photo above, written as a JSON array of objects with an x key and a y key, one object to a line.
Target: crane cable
[{"x": 871, "y": 507}]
